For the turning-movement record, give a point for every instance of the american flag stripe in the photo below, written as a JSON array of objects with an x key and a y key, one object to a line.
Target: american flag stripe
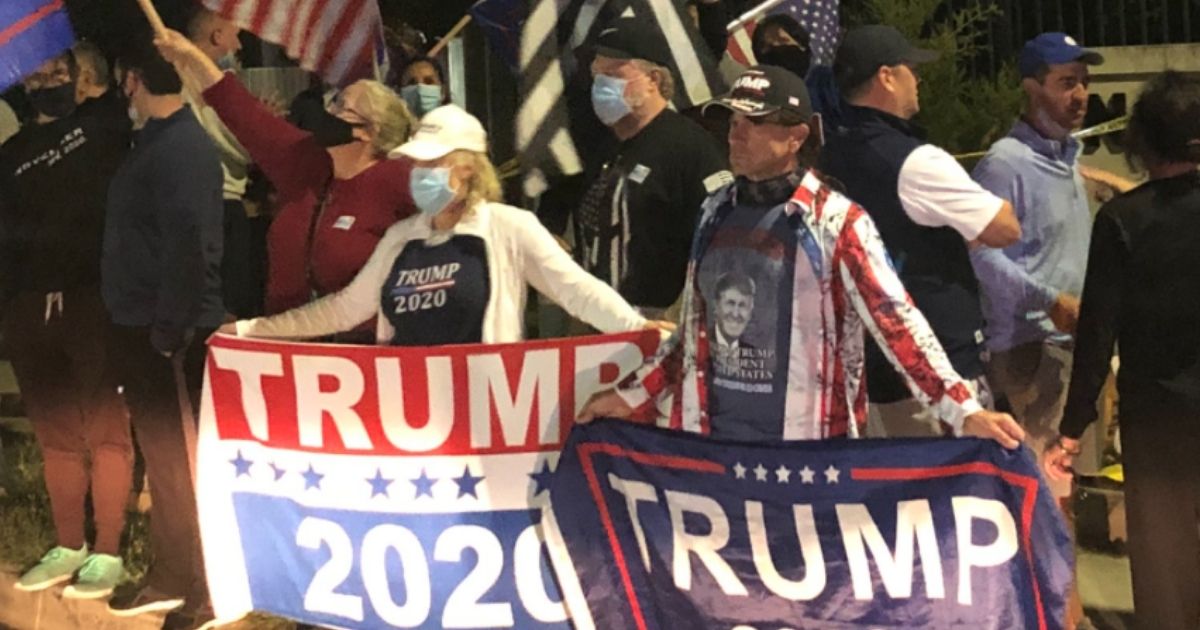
[
  {"x": 334, "y": 38},
  {"x": 552, "y": 32},
  {"x": 857, "y": 290},
  {"x": 739, "y": 45},
  {"x": 818, "y": 17}
]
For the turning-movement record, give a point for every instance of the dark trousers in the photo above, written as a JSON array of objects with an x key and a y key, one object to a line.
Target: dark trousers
[
  {"x": 156, "y": 390},
  {"x": 1160, "y": 440},
  {"x": 58, "y": 350},
  {"x": 241, "y": 273}
]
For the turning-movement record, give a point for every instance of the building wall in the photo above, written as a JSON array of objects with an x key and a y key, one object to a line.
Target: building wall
[{"x": 1115, "y": 87}]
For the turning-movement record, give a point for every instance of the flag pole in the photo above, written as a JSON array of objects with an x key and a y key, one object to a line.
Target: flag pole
[
  {"x": 437, "y": 48},
  {"x": 752, "y": 14},
  {"x": 152, "y": 15}
]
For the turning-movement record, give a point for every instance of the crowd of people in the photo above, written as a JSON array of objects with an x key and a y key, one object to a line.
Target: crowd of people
[{"x": 810, "y": 282}]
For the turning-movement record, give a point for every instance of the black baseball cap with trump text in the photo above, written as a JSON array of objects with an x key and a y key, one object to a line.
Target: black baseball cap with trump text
[{"x": 764, "y": 90}]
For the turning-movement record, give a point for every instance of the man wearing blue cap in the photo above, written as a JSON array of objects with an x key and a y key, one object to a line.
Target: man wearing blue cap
[{"x": 1031, "y": 288}]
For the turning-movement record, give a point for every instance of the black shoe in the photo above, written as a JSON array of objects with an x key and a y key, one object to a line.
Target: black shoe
[
  {"x": 129, "y": 600},
  {"x": 201, "y": 619}
]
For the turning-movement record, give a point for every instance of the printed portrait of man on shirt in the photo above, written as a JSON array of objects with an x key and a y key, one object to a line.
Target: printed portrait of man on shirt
[{"x": 744, "y": 296}]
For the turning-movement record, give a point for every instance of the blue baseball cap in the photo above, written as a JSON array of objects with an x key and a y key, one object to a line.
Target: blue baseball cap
[{"x": 1053, "y": 48}]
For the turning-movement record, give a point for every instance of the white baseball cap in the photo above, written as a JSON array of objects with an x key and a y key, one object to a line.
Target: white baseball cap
[{"x": 442, "y": 130}]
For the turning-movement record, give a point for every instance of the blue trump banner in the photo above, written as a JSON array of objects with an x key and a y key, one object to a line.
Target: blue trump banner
[
  {"x": 369, "y": 487},
  {"x": 31, "y": 31},
  {"x": 670, "y": 530}
]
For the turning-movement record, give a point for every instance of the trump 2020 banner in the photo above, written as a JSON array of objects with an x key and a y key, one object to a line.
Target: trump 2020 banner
[
  {"x": 666, "y": 530},
  {"x": 368, "y": 487}
]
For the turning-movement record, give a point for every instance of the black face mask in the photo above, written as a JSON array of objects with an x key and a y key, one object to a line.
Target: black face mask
[
  {"x": 792, "y": 58},
  {"x": 332, "y": 131},
  {"x": 55, "y": 102}
]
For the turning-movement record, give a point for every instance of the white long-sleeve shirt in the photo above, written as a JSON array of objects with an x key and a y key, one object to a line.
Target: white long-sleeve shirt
[{"x": 520, "y": 252}]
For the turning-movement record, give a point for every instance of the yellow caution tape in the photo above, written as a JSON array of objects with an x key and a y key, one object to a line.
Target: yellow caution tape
[
  {"x": 1115, "y": 472},
  {"x": 1104, "y": 128}
]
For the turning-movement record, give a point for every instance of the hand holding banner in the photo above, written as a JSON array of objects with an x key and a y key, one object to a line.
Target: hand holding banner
[
  {"x": 668, "y": 530},
  {"x": 362, "y": 487}
]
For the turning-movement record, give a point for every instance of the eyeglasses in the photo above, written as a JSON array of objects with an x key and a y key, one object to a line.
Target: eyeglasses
[
  {"x": 337, "y": 107},
  {"x": 60, "y": 75}
]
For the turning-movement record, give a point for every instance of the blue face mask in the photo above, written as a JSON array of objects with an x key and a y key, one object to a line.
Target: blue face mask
[
  {"x": 431, "y": 189},
  {"x": 228, "y": 62},
  {"x": 421, "y": 98},
  {"x": 608, "y": 99}
]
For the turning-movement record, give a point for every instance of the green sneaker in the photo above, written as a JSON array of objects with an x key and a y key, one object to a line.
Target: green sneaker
[
  {"x": 57, "y": 566},
  {"x": 98, "y": 576}
]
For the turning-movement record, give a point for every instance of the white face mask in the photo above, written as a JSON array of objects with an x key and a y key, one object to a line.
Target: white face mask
[
  {"x": 134, "y": 115},
  {"x": 136, "y": 118}
]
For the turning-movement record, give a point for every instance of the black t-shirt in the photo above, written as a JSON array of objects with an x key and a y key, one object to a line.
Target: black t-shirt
[
  {"x": 111, "y": 107},
  {"x": 437, "y": 292},
  {"x": 54, "y": 180},
  {"x": 746, "y": 278},
  {"x": 635, "y": 224}
]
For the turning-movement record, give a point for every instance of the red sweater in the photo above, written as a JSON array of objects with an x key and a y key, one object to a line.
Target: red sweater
[{"x": 359, "y": 210}]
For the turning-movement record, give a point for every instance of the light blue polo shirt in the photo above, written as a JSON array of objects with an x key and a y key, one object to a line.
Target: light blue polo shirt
[{"x": 1020, "y": 282}]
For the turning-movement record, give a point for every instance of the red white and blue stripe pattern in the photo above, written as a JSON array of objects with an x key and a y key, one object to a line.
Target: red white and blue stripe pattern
[
  {"x": 844, "y": 286},
  {"x": 341, "y": 40},
  {"x": 818, "y": 17}
]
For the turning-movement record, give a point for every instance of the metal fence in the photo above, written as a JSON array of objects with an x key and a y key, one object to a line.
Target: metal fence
[{"x": 1092, "y": 22}]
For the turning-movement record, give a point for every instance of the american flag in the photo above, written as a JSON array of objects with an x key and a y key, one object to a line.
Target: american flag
[
  {"x": 818, "y": 17},
  {"x": 552, "y": 33},
  {"x": 341, "y": 40}
]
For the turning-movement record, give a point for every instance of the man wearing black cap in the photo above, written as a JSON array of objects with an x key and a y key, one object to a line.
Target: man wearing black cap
[
  {"x": 927, "y": 208},
  {"x": 635, "y": 222},
  {"x": 816, "y": 275}
]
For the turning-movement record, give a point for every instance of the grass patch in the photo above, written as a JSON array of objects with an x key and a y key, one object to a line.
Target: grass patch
[
  {"x": 27, "y": 530},
  {"x": 26, "y": 526}
]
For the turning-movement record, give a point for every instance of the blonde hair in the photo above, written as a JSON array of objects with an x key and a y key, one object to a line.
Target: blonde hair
[
  {"x": 483, "y": 184},
  {"x": 387, "y": 114}
]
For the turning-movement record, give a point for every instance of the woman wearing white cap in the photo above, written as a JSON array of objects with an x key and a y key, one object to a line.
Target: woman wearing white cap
[{"x": 456, "y": 272}]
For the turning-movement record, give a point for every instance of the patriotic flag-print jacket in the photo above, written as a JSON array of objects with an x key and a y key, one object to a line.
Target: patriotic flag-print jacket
[{"x": 843, "y": 283}]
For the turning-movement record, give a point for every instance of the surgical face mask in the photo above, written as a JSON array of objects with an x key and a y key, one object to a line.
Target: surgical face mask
[
  {"x": 228, "y": 62},
  {"x": 608, "y": 99},
  {"x": 421, "y": 98},
  {"x": 55, "y": 102},
  {"x": 431, "y": 189}
]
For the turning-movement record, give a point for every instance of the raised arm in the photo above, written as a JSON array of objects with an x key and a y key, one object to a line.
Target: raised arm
[{"x": 288, "y": 155}]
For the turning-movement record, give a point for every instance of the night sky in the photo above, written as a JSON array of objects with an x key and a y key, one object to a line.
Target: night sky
[{"x": 109, "y": 22}]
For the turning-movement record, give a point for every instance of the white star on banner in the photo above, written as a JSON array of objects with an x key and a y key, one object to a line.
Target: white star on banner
[
  {"x": 831, "y": 474},
  {"x": 739, "y": 471},
  {"x": 806, "y": 475},
  {"x": 782, "y": 474},
  {"x": 760, "y": 473}
]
